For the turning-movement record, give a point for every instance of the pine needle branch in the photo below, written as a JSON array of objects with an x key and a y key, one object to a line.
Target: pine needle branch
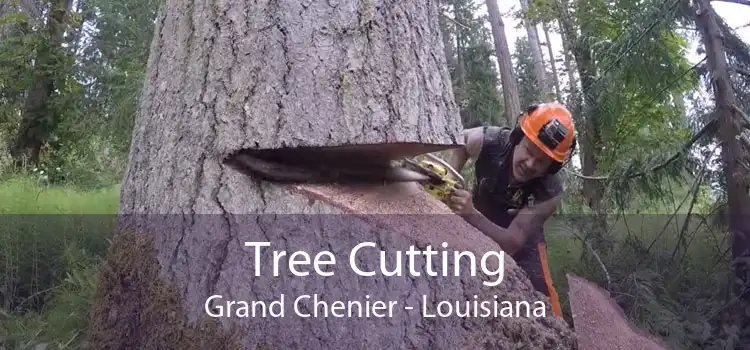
[{"x": 708, "y": 128}]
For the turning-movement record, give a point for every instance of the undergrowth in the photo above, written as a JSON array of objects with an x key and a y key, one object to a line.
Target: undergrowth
[{"x": 51, "y": 241}]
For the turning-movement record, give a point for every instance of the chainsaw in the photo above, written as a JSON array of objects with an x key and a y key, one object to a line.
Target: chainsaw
[
  {"x": 331, "y": 165},
  {"x": 442, "y": 180}
]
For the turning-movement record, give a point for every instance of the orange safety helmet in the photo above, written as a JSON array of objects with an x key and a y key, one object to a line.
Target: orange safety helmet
[{"x": 550, "y": 127}]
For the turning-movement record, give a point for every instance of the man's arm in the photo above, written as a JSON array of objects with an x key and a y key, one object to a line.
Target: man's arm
[
  {"x": 549, "y": 196},
  {"x": 511, "y": 240},
  {"x": 532, "y": 219},
  {"x": 527, "y": 222},
  {"x": 473, "y": 139}
]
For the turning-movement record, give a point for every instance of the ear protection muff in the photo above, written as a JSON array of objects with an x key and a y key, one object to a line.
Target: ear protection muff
[
  {"x": 516, "y": 135},
  {"x": 556, "y": 166}
]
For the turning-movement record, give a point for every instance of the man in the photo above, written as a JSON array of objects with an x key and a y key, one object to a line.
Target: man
[{"x": 517, "y": 185}]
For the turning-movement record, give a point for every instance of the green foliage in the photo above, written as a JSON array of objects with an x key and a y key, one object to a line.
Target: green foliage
[
  {"x": 64, "y": 320},
  {"x": 670, "y": 279},
  {"x": 483, "y": 105},
  {"x": 475, "y": 81},
  {"x": 49, "y": 259},
  {"x": 669, "y": 273},
  {"x": 116, "y": 61}
]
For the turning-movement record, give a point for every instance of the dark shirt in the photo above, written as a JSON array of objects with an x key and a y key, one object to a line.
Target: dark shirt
[{"x": 493, "y": 195}]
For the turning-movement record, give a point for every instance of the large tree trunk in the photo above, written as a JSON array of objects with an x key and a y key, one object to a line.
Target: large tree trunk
[
  {"x": 540, "y": 72},
  {"x": 292, "y": 75},
  {"x": 732, "y": 155},
  {"x": 502, "y": 52}
]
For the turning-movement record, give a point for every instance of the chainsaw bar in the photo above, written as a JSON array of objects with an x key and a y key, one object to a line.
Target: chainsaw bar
[{"x": 322, "y": 170}]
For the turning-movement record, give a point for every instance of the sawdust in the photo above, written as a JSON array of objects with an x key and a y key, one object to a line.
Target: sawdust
[
  {"x": 395, "y": 202},
  {"x": 601, "y": 324},
  {"x": 394, "y": 207}
]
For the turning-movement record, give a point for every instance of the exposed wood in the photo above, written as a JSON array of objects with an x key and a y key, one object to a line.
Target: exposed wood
[{"x": 601, "y": 324}]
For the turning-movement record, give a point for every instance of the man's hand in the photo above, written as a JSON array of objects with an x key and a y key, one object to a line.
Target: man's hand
[{"x": 460, "y": 201}]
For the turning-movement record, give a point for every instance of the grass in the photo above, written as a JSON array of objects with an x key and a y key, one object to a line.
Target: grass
[
  {"x": 49, "y": 259},
  {"x": 22, "y": 195}
]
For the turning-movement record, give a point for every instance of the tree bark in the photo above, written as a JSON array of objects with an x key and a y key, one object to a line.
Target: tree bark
[
  {"x": 732, "y": 155},
  {"x": 507, "y": 77},
  {"x": 293, "y": 74}
]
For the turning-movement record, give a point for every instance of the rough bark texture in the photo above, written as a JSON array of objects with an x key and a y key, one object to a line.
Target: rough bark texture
[
  {"x": 601, "y": 324},
  {"x": 511, "y": 98},
  {"x": 732, "y": 155},
  {"x": 235, "y": 75}
]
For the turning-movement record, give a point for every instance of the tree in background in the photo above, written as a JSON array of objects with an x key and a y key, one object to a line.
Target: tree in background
[
  {"x": 529, "y": 90},
  {"x": 474, "y": 76},
  {"x": 626, "y": 79}
]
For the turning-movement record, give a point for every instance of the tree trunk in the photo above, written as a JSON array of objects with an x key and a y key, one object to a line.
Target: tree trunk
[
  {"x": 507, "y": 77},
  {"x": 553, "y": 64},
  {"x": 292, "y": 75},
  {"x": 572, "y": 81},
  {"x": 460, "y": 46},
  {"x": 540, "y": 72},
  {"x": 38, "y": 119},
  {"x": 732, "y": 155},
  {"x": 585, "y": 111},
  {"x": 448, "y": 48}
]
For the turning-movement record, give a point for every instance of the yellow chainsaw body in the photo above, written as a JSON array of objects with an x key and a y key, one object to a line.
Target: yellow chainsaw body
[{"x": 441, "y": 188}]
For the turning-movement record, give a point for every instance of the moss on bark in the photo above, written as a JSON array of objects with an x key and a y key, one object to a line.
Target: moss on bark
[{"x": 134, "y": 307}]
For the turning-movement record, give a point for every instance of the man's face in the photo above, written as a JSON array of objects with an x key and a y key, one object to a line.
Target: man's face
[{"x": 529, "y": 161}]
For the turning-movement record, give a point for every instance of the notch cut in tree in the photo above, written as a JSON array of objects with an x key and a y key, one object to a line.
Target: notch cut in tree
[
  {"x": 237, "y": 77},
  {"x": 284, "y": 74}
]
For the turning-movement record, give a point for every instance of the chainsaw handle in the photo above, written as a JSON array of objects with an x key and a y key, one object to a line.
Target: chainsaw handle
[{"x": 449, "y": 167}]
